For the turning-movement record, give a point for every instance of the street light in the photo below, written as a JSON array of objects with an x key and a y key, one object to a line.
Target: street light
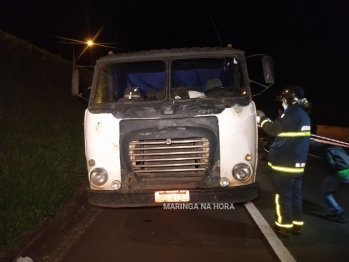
[{"x": 86, "y": 44}]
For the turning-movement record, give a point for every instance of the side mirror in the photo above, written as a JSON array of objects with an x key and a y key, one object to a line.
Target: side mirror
[
  {"x": 75, "y": 82},
  {"x": 81, "y": 81},
  {"x": 268, "y": 69}
]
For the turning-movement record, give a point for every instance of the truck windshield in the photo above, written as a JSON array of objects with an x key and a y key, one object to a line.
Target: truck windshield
[
  {"x": 207, "y": 78},
  {"x": 130, "y": 82},
  {"x": 190, "y": 78}
]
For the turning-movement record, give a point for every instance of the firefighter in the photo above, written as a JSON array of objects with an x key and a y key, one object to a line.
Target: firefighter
[{"x": 287, "y": 158}]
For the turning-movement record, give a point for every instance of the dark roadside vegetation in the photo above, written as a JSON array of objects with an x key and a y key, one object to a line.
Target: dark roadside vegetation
[{"x": 41, "y": 138}]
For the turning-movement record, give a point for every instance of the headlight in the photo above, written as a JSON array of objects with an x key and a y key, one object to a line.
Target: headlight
[
  {"x": 98, "y": 176},
  {"x": 242, "y": 172}
]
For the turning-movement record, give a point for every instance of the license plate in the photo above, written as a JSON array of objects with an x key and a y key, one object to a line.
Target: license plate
[{"x": 172, "y": 196}]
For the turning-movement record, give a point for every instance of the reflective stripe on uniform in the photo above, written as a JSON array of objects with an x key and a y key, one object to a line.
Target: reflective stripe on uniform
[
  {"x": 294, "y": 134},
  {"x": 277, "y": 207},
  {"x": 287, "y": 169},
  {"x": 298, "y": 223},
  {"x": 284, "y": 225},
  {"x": 278, "y": 221},
  {"x": 264, "y": 121}
]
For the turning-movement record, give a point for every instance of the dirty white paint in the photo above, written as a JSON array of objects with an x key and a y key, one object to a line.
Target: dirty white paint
[
  {"x": 102, "y": 145},
  {"x": 237, "y": 138}
]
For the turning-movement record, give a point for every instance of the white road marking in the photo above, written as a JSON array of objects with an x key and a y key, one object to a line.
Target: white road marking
[{"x": 279, "y": 248}]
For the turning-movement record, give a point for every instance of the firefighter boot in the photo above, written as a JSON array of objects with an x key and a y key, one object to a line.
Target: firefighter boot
[
  {"x": 285, "y": 232},
  {"x": 296, "y": 230}
]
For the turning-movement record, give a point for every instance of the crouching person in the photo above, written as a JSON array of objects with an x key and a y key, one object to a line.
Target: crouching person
[{"x": 338, "y": 159}]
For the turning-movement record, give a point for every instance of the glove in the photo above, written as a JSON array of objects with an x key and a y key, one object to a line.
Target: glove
[{"x": 260, "y": 114}]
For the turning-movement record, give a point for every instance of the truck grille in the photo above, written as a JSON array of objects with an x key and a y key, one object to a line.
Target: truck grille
[{"x": 187, "y": 157}]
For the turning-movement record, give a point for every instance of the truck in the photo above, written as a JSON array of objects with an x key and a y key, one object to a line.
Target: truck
[{"x": 172, "y": 126}]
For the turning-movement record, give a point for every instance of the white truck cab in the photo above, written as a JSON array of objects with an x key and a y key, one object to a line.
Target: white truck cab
[{"x": 172, "y": 126}]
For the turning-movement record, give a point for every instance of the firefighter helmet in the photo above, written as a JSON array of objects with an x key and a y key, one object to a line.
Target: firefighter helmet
[{"x": 292, "y": 93}]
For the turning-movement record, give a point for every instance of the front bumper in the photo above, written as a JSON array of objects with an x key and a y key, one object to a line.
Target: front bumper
[{"x": 143, "y": 198}]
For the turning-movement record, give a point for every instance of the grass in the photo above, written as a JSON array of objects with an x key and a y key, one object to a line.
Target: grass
[{"x": 41, "y": 137}]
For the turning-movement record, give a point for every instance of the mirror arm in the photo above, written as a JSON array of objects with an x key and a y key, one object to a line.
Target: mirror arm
[{"x": 265, "y": 87}]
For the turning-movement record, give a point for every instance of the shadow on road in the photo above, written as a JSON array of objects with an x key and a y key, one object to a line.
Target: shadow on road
[{"x": 189, "y": 228}]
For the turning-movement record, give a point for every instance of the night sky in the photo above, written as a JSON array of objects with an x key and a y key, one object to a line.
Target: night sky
[{"x": 309, "y": 42}]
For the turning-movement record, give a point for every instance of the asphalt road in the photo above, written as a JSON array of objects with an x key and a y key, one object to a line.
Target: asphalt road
[
  {"x": 320, "y": 240},
  {"x": 154, "y": 234}
]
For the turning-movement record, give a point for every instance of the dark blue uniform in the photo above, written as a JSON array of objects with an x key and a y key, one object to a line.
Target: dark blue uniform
[{"x": 287, "y": 158}]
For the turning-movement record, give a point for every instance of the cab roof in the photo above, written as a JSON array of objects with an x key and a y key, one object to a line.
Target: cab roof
[{"x": 174, "y": 52}]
